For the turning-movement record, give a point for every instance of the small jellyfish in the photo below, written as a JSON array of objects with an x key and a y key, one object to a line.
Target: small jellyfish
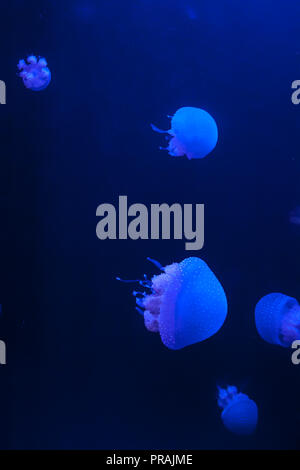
[
  {"x": 277, "y": 319},
  {"x": 185, "y": 304},
  {"x": 295, "y": 216},
  {"x": 239, "y": 413},
  {"x": 193, "y": 132},
  {"x": 191, "y": 13},
  {"x": 35, "y": 73}
]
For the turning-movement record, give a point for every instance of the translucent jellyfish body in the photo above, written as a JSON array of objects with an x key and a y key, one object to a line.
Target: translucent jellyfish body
[
  {"x": 185, "y": 304},
  {"x": 277, "y": 319},
  {"x": 35, "y": 73},
  {"x": 193, "y": 133},
  {"x": 239, "y": 413}
]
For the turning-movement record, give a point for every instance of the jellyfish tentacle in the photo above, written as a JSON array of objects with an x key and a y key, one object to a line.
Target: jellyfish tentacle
[
  {"x": 156, "y": 129},
  {"x": 127, "y": 280},
  {"x": 136, "y": 293},
  {"x": 139, "y": 302},
  {"x": 141, "y": 312},
  {"x": 156, "y": 263},
  {"x": 173, "y": 153},
  {"x": 146, "y": 283}
]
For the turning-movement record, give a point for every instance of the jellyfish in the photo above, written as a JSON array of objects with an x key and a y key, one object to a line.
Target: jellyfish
[
  {"x": 35, "y": 73},
  {"x": 277, "y": 319},
  {"x": 239, "y": 413},
  {"x": 191, "y": 13},
  {"x": 295, "y": 216},
  {"x": 193, "y": 132},
  {"x": 185, "y": 304}
]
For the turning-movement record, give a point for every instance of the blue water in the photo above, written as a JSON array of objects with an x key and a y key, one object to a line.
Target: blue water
[{"x": 82, "y": 371}]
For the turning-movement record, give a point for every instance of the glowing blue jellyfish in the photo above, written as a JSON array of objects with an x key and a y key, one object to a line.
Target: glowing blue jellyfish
[
  {"x": 239, "y": 413},
  {"x": 185, "y": 304},
  {"x": 35, "y": 73},
  {"x": 277, "y": 319},
  {"x": 194, "y": 133}
]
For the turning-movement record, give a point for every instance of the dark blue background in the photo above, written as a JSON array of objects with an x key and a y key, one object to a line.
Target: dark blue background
[{"x": 82, "y": 370}]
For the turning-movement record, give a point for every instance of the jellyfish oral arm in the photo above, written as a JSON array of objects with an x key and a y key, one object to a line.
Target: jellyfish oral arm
[
  {"x": 290, "y": 328},
  {"x": 176, "y": 149},
  {"x": 149, "y": 301},
  {"x": 156, "y": 263},
  {"x": 225, "y": 395}
]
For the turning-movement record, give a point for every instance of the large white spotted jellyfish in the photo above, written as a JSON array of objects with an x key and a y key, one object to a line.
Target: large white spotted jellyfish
[
  {"x": 193, "y": 133},
  {"x": 35, "y": 73},
  {"x": 185, "y": 304},
  {"x": 239, "y": 413},
  {"x": 277, "y": 319}
]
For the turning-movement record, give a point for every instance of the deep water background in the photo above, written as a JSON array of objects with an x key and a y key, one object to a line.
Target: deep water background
[{"x": 82, "y": 371}]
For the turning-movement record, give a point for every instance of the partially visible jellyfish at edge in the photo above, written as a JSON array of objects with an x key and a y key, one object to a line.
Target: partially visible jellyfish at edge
[
  {"x": 35, "y": 73},
  {"x": 277, "y": 318},
  {"x": 294, "y": 216},
  {"x": 240, "y": 413},
  {"x": 193, "y": 133},
  {"x": 186, "y": 304}
]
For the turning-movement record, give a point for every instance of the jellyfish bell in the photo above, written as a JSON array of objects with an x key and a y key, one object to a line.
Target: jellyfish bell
[
  {"x": 185, "y": 304},
  {"x": 193, "y": 133},
  {"x": 239, "y": 413},
  {"x": 277, "y": 319},
  {"x": 35, "y": 73}
]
